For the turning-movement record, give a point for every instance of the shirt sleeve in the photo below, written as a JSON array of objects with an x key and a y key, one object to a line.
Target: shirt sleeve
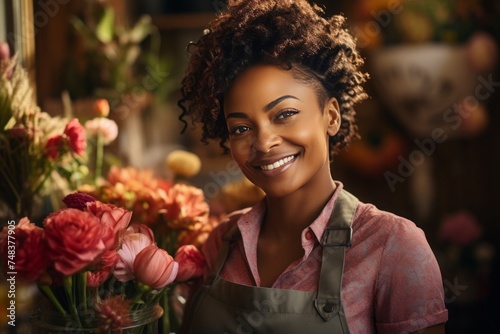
[{"x": 409, "y": 292}]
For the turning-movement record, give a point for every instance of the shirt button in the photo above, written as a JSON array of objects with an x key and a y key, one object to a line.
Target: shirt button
[{"x": 309, "y": 235}]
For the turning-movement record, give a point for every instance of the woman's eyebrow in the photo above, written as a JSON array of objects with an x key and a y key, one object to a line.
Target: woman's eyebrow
[
  {"x": 273, "y": 104},
  {"x": 267, "y": 107}
]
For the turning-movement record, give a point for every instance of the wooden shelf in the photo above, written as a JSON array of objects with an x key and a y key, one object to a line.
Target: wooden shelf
[{"x": 183, "y": 21}]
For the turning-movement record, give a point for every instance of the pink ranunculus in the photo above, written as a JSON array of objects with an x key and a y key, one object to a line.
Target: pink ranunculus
[
  {"x": 141, "y": 228},
  {"x": 53, "y": 146},
  {"x": 78, "y": 200},
  {"x": 105, "y": 127},
  {"x": 75, "y": 239},
  {"x": 76, "y": 134},
  {"x": 155, "y": 268},
  {"x": 28, "y": 251},
  {"x": 132, "y": 244},
  {"x": 110, "y": 215},
  {"x": 191, "y": 263}
]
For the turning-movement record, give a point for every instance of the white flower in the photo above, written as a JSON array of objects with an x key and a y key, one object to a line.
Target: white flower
[{"x": 103, "y": 126}]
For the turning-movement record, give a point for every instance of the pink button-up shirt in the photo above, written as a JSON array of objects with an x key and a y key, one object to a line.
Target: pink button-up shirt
[{"x": 391, "y": 283}]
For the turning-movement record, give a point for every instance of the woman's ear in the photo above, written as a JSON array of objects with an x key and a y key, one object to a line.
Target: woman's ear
[{"x": 332, "y": 112}]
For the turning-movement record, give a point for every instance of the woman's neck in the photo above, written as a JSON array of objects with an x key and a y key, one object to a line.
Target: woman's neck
[{"x": 287, "y": 216}]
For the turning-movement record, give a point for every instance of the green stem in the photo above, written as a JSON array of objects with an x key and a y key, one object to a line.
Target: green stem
[
  {"x": 99, "y": 157},
  {"x": 48, "y": 292},
  {"x": 82, "y": 290},
  {"x": 68, "y": 289}
]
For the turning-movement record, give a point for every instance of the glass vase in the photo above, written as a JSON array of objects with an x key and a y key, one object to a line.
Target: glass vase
[{"x": 143, "y": 321}]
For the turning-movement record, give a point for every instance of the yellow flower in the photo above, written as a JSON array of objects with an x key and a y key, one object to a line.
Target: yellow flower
[{"x": 183, "y": 163}]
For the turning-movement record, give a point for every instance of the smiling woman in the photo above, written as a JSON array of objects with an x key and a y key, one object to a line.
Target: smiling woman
[{"x": 276, "y": 82}]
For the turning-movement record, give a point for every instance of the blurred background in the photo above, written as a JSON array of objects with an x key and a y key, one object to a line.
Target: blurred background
[{"x": 430, "y": 146}]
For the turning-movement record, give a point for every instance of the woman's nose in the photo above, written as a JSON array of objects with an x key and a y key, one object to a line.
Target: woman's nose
[{"x": 265, "y": 139}]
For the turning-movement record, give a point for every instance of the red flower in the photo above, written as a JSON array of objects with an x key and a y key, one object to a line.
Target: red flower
[
  {"x": 75, "y": 239},
  {"x": 191, "y": 263},
  {"x": 53, "y": 146},
  {"x": 29, "y": 258},
  {"x": 155, "y": 268},
  {"x": 76, "y": 134},
  {"x": 78, "y": 200}
]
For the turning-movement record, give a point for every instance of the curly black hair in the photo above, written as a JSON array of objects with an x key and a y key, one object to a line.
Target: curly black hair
[{"x": 292, "y": 34}]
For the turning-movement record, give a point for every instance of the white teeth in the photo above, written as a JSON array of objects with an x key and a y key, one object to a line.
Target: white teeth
[{"x": 277, "y": 163}]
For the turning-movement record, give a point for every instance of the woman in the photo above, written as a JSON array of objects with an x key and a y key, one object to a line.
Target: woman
[{"x": 276, "y": 83}]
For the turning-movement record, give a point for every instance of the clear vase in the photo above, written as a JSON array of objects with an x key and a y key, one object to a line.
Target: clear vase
[{"x": 143, "y": 321}]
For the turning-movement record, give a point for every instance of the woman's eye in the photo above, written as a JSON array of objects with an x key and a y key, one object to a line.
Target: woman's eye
[
  {"x": 239, "y": 130},
  {"x": 286, "y": 113}
]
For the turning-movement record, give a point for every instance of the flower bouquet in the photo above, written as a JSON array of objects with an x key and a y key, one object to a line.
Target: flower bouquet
[
  {"x": 34, "y": 146},
  {"x": 98, "y": 272}
]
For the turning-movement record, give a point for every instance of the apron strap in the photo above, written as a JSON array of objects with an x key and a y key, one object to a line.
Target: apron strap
[{"x": 337, "y": 236}]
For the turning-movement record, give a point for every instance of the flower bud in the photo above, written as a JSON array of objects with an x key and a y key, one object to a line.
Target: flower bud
[
  {"x": 155, "y": 268},
  {"x": 101, "y": 108}
]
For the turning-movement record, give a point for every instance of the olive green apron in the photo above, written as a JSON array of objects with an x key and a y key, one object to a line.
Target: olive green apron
[{"x": 222, "y": 307}]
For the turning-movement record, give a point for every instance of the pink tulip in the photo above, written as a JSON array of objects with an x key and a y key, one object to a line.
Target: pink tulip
[
  {"x": 132, "y": 244},
  {"x": 191, "y": 263},
  {"x": 140, "y": 228},
  {"x": 155, "y": 268}
]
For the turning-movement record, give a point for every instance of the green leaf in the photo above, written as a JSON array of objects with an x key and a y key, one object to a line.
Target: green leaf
[
  {"x": 141, "y": 29},
  {"x": 105, "y": 29}
]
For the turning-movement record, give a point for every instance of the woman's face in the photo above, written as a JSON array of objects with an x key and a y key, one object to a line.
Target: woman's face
[{"x": 278, "y": 133}]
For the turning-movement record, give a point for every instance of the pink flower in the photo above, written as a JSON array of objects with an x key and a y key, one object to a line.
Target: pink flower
[
  {"x": 114, "y": 314},
  {"x": 105, "y": 127},
  {"x": 191, "y": 263},
  {"x": 95, "y": 279},
  {"x": 132, "y": 244},
  {"x": 101, "y": 108},
  {"x": 75, "y": 239},
  {"x": 4, "y": 51},
  {"x": 78, "y": 200},
  {"x": 76, "y": 134},
  {"x": 53, "y": 146},
  {"x": 460, "y": 229},
  {"x": 110, "y": 215},
  {"x": 141, "y": 228},
  {"x": 103, "y": 268},
  {"x": 29, "y": 258},
  {"x": 155, "y": 268}
]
